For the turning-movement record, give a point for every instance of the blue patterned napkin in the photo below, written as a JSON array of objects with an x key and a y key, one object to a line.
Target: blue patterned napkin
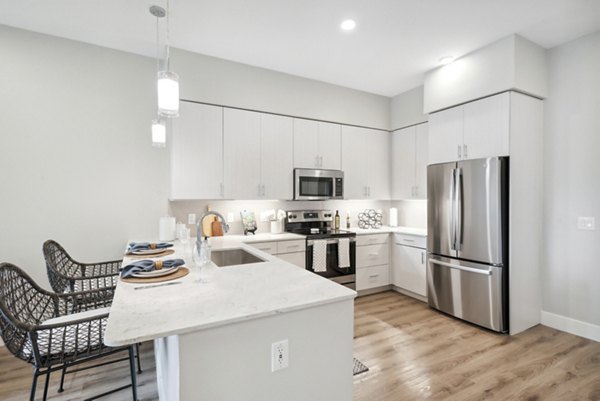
[
  {"x": 142, "y": 246},
  {"x": 147, "y": 265}
]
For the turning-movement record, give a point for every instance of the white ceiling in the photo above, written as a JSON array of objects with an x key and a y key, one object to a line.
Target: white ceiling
[{"x": 394, "y": 43}]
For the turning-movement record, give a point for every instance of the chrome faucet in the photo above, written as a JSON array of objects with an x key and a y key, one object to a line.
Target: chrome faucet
[{"x": 199, "y": 224}]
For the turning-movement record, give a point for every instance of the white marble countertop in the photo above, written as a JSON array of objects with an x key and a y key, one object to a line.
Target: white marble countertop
[
  {"x": 234, "y": 294},
  {"x": 422, "y": 232}
]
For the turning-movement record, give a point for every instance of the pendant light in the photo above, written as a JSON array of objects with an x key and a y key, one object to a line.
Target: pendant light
[
  {"x": 159, "y": 133},
  {"x": 168, "y": 82}
]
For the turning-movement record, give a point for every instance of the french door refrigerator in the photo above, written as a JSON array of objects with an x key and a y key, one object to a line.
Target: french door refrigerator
[{"x": 467, "y": 240}]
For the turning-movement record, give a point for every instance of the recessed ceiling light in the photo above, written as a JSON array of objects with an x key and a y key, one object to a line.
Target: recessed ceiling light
[
  {"x": 348, "y": 25},
  {"x": 446, "y": 60}
]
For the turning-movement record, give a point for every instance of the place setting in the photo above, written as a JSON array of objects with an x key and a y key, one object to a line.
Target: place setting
[
  {"x": 149, "y": 271},
  {"x": 143, "y": 250}
]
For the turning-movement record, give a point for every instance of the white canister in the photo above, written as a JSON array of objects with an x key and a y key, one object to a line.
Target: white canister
[
  {"x": 393, "y": 217},
  {"x": 276, "y": 226},
  {"x": 166, "y": 229}
]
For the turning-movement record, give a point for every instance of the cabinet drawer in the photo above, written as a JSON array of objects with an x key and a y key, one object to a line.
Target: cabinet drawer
[
  {"x": 410, "y": 240},
  {"x": 291, "y": 246},
  {"x": 372, "y": 255},
  {"x": 372, "y": 277},
  {"x": 269, "y": 247},
  {"x": 371, "y": 239},
  {"x": 296, "y": 258}
]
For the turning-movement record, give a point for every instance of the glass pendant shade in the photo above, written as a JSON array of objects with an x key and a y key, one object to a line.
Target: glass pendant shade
[
  {"x": 168, "y": 94},
  {"x": 159, "y": 134}
]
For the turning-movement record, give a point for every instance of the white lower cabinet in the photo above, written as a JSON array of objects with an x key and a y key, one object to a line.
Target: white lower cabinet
[
  {"x": 372, "y": 261},
  {"x": 409, "y": 262},
  {"x": 292, "y": 251}
]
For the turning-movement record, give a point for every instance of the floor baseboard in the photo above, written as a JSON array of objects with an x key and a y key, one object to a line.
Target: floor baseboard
[{"x": 570, "y": 325}]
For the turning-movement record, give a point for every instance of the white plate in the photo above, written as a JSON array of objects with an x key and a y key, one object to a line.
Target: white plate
[
  {"x": 148, "y": 251},
  {"x": 156, "y": 273}
]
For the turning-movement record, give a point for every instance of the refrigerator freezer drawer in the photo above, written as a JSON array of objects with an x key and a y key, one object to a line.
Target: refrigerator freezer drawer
[{"x": 469, "y": 291}]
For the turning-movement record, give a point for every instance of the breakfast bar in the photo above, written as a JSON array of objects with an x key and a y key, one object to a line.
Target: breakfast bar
[{"x": 220, "y": 339}]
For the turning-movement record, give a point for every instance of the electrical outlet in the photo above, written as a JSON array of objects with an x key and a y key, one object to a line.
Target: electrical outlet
[
  {"x": 586, "y": 223},
  {"x": 230, "y": 217},
  {"x": 192, "y": 218},
  {"x": 279, "y": 355}
]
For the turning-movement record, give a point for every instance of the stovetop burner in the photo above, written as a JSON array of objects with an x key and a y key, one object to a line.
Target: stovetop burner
[{"x": 315, "y": 224}]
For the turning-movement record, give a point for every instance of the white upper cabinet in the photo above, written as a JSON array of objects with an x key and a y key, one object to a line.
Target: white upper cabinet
[
  {"x": 366, "y": 163},
  {"x": 487, "y": 127},
  {"x": 258, "y": 155},
  {"x": 471, "y": 131},
  {"x": 409, "y": 162},
  {"x": 421, "y": 160},
  {"x": 446, "y": 135},
  {"x": 197, "y": 152},
  {"x": 276, "y": 149},
  {"x": 317, "y": 144},
  {"x": 241, "y": 138}
]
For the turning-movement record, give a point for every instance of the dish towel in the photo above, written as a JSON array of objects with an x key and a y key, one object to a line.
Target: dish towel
[
  {"x": 319, "y": 263},
  {"x": 141, "y": 246},
  {"x": 344, "y": 253},
  {"x": 147, "y": 265}
]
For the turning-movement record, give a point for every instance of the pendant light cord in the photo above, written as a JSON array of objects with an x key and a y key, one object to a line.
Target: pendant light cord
[{"x": 168, "y": 38}]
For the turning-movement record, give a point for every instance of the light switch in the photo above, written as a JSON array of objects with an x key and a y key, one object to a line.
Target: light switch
[
  {"x": 586, "y": 223},
  {"x": 192, "y": 218}
]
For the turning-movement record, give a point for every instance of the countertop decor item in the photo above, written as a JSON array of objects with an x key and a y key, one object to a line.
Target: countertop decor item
[
  {"x": 248, "y": 222},
  {"x": 370, "y": 218},
  {"x": 166, "y": 230}
]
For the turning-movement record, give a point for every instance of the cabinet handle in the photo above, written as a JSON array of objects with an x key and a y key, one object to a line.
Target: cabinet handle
[
  {"x": 221, "y": 189},
  {"x": 373, "y": 255},
  {"x": 459, "y": 151},
  {"x": 263, "y": 190},
  {"x": 422, "y": 257},
  {"x": 317, "y": 160},
  {"x": 373, "y": 275},
  {"x": 408, "y": 240},
  {"x": 465, "y": 151},
  {"x": 320, "y": 161},
  {"x": 293, "y": 246},
  {"x": 258, "y": 190}
]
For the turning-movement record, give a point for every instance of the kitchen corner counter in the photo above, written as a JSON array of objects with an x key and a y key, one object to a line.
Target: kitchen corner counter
[
  {"x": 235, "y": 293},
  {"x": 422, "y": 232}
]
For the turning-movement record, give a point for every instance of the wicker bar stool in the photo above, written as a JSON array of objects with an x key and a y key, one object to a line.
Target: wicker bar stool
[
  {"x": 66, "y": 275},
  {"x": 51, "y": 331}
]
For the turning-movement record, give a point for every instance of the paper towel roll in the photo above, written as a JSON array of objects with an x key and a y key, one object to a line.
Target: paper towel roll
[
  {"x": 393, "y": 217},
  {"x": 166, "y": 229}
]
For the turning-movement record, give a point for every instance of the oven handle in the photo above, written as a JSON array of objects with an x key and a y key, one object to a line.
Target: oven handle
[{"x": 310, "y": 242}]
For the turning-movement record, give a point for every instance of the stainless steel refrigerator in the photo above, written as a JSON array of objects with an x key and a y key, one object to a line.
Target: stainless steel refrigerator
[{"x": 467, "y": 240}]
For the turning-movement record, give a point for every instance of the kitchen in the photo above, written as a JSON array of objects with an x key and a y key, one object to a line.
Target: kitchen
[{"x": 78, "y": 164}]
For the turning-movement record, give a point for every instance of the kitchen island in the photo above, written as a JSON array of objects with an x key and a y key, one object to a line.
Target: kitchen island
[{"x": 213, "y": 341}]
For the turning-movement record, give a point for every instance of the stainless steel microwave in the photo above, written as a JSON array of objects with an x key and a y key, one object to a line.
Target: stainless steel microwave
[{"x": 311, "y": 184}]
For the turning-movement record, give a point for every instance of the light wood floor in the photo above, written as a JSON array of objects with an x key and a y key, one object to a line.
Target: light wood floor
[{"x": 413, "y": 353}]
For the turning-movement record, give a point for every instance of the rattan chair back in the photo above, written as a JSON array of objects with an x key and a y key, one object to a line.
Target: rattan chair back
[{"x": 60, "y": 266}]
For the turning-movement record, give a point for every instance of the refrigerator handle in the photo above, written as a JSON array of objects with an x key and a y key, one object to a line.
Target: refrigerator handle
[
  {"x": 459, "y": 206},
  {"x": 451, "y": 214}
]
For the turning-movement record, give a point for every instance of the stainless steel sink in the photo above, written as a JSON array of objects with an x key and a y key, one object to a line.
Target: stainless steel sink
[{"x": 231, "y": 257}]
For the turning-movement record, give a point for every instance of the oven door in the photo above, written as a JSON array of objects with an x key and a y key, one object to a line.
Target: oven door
[
  {"x": 345, "y": 276},
  {"x": 312, "y": 184}
]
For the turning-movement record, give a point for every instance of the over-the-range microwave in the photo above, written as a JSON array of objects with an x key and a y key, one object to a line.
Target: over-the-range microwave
[{"x": 312, "y": 184}]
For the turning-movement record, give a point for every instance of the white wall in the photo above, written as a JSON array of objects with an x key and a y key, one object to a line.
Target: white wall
[
  {"x": 217, "y": 81},
  {"x": 509, "y": 63},
  {"x": 76, "y": 162},
  {"x": 406, "y": 109},
  {"x": 571, "y": 271}
]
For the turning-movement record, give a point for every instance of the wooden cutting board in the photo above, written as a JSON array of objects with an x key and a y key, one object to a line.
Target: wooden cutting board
[
  {"x": 207, "y": 225},
  {"x": 217, "y": 228}
]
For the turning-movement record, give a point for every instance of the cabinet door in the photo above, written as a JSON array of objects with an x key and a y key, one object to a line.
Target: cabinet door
[
  {"x": 486, "y": 127},
  {"x": 241, "y": 136},
  {"x": 296, "y": 258},
  {"x": 329, "y": 151},
  {"x": 421, "y": 159},
  {"x": 446, "y": 135},
  {"x": 379, "y": 181},
  {"x": 306, "y": 143},
  {"x": 355, "y": 158},
  {"x": 403, "y": 163},
  {"x": 197, "y": 152},
  {"x": 408, "y": 270},
  {"x": 276, "y": 156}
]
